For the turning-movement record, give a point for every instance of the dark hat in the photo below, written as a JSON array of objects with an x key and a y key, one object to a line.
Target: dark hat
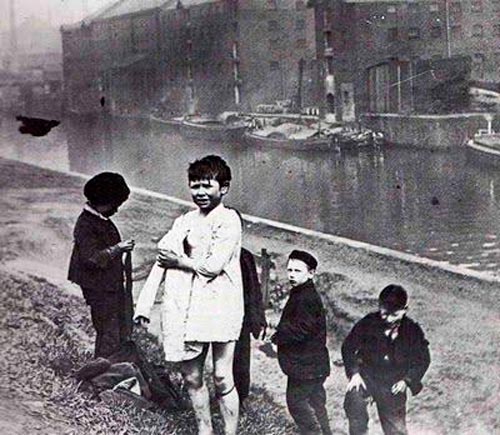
[
  {"x": 393, "y": 297},
  {"x": 305, "y": 257},
  {"x": 106, "y": 188}
]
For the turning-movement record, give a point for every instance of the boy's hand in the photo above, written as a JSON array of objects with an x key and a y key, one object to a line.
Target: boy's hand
[
  {"x": 126, "y": 245},
  {"x": 399, "y": 387},
  {"x": 167, "y": 259},
  {"x": 356, "y": 383},
  {"x": 141, "y": 321}
]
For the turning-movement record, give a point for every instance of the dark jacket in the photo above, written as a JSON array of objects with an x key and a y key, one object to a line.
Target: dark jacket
[
  {"x": 368, "y": 351},
  {"x": 91, "y": 265},
  {"x": 254, "y": 319},
  {"x": 301, "y": 335}
]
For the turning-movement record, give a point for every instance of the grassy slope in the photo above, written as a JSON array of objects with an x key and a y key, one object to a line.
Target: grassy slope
[{"x": 42, "y": 330}]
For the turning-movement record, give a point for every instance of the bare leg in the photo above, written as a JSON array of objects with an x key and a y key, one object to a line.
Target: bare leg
[
  {"x": 223, "y": 354},
  {"x": 198, "y": 392}
]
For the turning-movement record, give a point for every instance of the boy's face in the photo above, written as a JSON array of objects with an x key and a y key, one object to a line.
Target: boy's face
[
  {"x": 392, "y": 317},
  {"x": 207, "y": 193},
  {"x": 298, "y": 272}
]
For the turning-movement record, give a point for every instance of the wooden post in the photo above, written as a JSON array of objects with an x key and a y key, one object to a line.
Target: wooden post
[{"x": 265, "y": 275}]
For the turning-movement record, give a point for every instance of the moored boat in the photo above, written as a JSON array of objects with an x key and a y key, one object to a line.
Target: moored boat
[{"x": 485, "y": 147}]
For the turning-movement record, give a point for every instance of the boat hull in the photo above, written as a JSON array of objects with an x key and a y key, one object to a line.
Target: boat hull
[
  {"x": 222, "y": 133},
  {"x": 483, "y": 153},
  {"x": 321, "y": 144}
]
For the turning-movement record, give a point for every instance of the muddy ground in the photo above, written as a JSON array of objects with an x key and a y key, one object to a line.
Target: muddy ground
[{"x": 460, "y": 315}]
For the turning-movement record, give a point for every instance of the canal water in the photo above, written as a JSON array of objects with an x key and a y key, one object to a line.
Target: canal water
[{"x": 435, "y": 204}]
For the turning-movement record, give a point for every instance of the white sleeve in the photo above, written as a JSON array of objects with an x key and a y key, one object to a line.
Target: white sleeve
[
  {"x": 173, "y": 241},
  {"x": 147, "y": 296},
  {"x": 174, "y": 238}
]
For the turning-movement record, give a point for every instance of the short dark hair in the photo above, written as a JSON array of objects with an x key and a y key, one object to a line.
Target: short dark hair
[
  {"x": 305, "y": 257},
  {"x": 393, "y": 297},
  {"x": 106, "y": 188},
  {"x": 210, "y": 168}
]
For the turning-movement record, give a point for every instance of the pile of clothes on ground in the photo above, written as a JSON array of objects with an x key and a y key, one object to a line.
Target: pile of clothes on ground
[{"x": 128, "y": 376}]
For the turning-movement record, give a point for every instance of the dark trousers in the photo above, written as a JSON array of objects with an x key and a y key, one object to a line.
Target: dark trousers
[
  {"x": 111, "y": 314},
  {"x": 306, "y": 401},
  {"x": 391, "y": 410},
  {"x": 241, "y": 364}
]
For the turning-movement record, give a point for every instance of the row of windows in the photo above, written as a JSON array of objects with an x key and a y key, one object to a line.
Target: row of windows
[
  {"x": 275, "y": 65},
  {"x": 394, "y": 33},
  {"x": 437, "y": 11},
  {"x": 300, "y": 5},
  {"x": 455, "y": 7},
  {"x": 273, "y": 25},
  {"x": 435, "y": 32},
  {"x": 299, "y": 43}
]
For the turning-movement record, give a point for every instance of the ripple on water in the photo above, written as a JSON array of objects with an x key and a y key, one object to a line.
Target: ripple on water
[
  {"x": 489, "y": 245},
  {"x": 470, "y": 265}
]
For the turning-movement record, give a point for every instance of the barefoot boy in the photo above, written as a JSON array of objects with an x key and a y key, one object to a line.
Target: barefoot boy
[
  {"x": 302, "y": 352},
  {"x": 384, "y": 354}
]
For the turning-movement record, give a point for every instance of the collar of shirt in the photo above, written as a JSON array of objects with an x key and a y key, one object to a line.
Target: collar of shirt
[
  {"x": 213, "y": 213},
  {"x": 91, "y": 210},
  {"x": 392, "y": 332}
]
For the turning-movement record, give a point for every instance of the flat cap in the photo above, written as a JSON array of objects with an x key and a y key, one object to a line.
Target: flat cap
[{"x": 305, "y": 257}]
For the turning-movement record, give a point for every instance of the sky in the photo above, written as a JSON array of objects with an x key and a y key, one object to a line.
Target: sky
[{"x": 56, "y": 12}]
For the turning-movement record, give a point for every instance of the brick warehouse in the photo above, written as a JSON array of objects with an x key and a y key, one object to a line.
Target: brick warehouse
[
  {"x": 201, "y": 56},
  {"x": 378, "y": 55}
]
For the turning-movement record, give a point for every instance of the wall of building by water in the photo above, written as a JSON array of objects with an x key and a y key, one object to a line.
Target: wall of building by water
[{"x": 429, "y": 131}]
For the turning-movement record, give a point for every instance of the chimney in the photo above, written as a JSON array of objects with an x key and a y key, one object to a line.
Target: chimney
[{"x": 12, "y": 56}]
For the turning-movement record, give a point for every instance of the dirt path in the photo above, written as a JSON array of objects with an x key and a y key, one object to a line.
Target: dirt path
[
  {"x": 460, "y": 315},
  {"x": 22, "y": 417}
]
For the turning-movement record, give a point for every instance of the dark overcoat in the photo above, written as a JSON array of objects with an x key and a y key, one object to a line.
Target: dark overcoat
[
  {"x": 92, "y": 266},
  {"x": 301, "y": 335},
  {"x": 368, "y": 351}
]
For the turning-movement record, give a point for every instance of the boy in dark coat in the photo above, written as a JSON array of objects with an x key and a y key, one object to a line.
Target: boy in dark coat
[
  {"x": 384, "y": 354},
  {"x": 302, "y": 352},
  {"x": 254, "y": 322},
  {"x": 97, "y": 266}
]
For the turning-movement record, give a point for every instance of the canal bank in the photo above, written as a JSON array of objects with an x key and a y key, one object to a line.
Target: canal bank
[{"x": 459, "y": 313}]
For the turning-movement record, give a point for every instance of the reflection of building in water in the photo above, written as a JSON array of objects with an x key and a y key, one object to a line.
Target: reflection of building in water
[
  {"x": 178, "y": 56},
  {"x": 373, "y": 49}
]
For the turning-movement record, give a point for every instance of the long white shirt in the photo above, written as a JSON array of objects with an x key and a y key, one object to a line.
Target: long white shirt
[
  {"x": 216, "y": 307},
  {"x": 206, "y": 305}
]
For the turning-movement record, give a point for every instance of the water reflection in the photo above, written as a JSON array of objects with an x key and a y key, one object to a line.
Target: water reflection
[{"x": 434, "y": 204}]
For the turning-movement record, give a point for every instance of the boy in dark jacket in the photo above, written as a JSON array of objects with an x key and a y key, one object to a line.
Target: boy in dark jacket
[
  {"x": 384, "y": 354},
  {"x": 97, "y": 266},
  {"x": 254, "y": 322},
  {"x": 302, "y": 352}
]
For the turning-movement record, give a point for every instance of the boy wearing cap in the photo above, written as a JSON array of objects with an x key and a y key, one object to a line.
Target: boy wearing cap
[
  {"x": 385, "y": 353},
  {"x": 96, "y": 263},
  {"x": 302, "y": 352}
]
